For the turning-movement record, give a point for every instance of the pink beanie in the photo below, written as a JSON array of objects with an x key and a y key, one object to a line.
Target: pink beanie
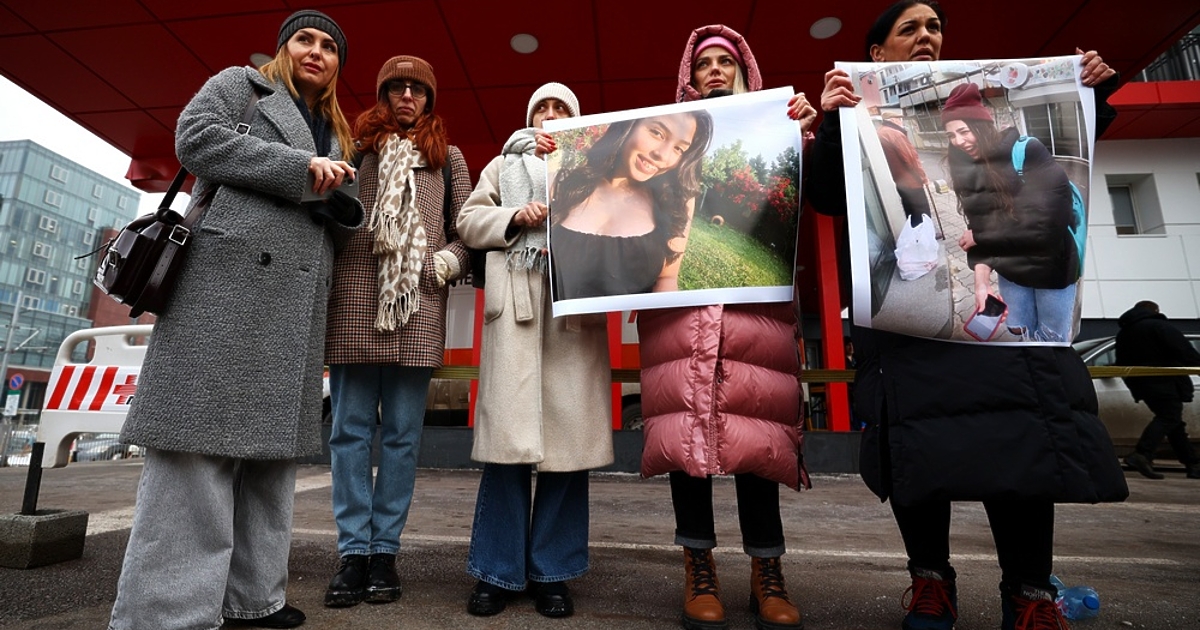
[{"x": 720, "y": 42}]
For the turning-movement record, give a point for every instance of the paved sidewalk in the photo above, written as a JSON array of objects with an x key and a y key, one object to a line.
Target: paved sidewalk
[{"x": 844, "y": 566}]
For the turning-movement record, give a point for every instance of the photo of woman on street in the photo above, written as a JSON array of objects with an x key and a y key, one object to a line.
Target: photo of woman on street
[{"x": 1018, "y": 223}]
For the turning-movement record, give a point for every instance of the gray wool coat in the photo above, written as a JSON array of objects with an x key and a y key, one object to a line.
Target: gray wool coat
[
  {"x": 545, "y": 394},
  {"x": 235, "y": 362}
]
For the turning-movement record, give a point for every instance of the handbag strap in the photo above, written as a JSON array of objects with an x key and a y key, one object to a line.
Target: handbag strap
[
  {"x": 181, "y": 227},
  {"x": 165, "y": 213}
]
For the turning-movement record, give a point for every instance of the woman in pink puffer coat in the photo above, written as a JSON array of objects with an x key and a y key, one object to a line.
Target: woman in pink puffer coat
[{"x": 721, "y": 393}]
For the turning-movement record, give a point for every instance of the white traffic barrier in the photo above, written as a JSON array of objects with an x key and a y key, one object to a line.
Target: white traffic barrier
[{"x": 90, "y": 397}]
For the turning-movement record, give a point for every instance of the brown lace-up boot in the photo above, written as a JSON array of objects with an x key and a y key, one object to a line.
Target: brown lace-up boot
[
  {"x": 769, "y": 599},
  {"x": 702, "y": 609}
]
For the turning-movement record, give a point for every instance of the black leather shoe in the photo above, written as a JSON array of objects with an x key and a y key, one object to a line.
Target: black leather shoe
[
  {"x": 552, "y": 599},
  {"x": 1142, "y": 464},
  {"x": 287, "y": 617},
  {"x": 383, "y": 585},
  {"x": 349, "y": 585},
  {"x": 487, "y": 599}
]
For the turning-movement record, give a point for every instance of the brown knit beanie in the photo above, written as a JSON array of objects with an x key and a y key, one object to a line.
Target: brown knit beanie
[
  {"x": 411, "y": 68},
  {"x": 965, "y": 103},
  {"x": 313, "y": 19}
]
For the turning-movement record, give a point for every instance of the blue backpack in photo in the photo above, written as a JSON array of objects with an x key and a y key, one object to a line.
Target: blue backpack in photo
[{"x": 1079, "y": 228}]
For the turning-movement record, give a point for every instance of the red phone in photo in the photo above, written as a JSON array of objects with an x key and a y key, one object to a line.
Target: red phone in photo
[{"x": 982, "y": 325}]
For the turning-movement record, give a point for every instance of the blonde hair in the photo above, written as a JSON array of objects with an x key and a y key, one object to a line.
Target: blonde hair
[
  {"x": 739, "y": 80},
  {"x": 279, "y": 70}
]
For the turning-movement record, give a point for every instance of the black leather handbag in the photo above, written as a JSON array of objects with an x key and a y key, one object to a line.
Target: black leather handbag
[{"x": 139, "y": 266}]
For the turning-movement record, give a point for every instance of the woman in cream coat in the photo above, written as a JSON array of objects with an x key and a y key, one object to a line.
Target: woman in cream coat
[{"x": 544, "y": 399}]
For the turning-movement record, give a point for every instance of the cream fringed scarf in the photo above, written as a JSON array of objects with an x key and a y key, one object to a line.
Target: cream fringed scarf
[{"x": 399, "y": 234}]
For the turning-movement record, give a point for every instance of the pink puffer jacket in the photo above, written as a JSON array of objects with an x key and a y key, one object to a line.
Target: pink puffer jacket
[{"x": 721, "y": 384}]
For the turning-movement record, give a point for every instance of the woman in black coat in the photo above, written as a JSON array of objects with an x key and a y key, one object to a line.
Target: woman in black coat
[
  {"x": 1013, "y": 427},
  {"x": 1019, "y": 222}
]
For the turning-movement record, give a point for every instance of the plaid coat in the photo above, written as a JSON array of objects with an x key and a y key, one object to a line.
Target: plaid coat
[{"x": 351, "y": 336}]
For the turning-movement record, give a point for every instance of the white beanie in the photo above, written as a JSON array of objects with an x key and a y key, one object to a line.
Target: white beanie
[{"x": 552, "y": 90}]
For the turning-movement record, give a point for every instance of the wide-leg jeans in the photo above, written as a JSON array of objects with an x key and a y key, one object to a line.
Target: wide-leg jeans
[
  {"x": 521, "y": 535},
  {"x": 210, "y": 539}
]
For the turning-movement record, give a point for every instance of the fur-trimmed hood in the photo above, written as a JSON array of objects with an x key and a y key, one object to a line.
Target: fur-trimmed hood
[{"x": 684, "y": 90}]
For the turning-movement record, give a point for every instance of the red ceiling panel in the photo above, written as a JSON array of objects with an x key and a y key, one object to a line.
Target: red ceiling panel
[
  {"x": 134, "y": 131},
  {"x": 54, "y": 15},
  {"x": 1127, "y": 25},
  {"x": 642, "y": 40},
  {"x": 789, "y": 22},
  {"x": 166, "y": 116},
  {"x": 230, "y": 40},
  {"x": 146, "y": 63},
  {"x": 45, "y": 70},
  {"x": 383, "y": 30},
  {"x": 565, "y": 33},
  {"x": 10, "y": 24},
  {"x": 176, "y": 10}
]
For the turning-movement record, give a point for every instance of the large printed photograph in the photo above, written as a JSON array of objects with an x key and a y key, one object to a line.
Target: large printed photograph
[
  {"x": 680, "y": 205},
  {"x": 967, "y": 183}
]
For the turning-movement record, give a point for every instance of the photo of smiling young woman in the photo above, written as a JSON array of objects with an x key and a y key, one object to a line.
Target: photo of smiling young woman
[{"x": 623, "y": 213}]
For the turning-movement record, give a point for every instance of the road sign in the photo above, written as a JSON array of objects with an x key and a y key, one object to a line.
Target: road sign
[
  {"x": 16, "y": 381},
  {"x": 10, "y": 403}
]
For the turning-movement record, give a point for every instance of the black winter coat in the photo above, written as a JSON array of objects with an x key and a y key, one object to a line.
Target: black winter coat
[
  {"x": 1148, "y": 339},
  {"x": 1031, "y": 245},
  {"x": 951, "y": 421}
]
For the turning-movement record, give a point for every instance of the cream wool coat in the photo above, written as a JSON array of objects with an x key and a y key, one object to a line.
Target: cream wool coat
[{"x": 544, "y": 389}]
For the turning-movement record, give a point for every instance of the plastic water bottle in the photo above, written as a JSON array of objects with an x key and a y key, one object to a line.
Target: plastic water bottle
[{"x": 1076, "y": 602}]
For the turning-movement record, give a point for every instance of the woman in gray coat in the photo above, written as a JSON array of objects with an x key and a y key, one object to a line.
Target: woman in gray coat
[
  {"x": 544, "y": 393},
  {"x": 230, "y": 390}
]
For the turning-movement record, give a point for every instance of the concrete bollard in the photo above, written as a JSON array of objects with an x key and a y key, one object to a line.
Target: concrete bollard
[{"x": 45, "y": 537}]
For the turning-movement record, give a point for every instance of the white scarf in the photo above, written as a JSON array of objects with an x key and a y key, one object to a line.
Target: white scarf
[
  {"x": 523, "y": 179},
  {"x": 399, "y": 233}
]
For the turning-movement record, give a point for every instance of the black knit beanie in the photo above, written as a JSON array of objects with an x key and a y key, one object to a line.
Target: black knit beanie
[{"x": 309, "y": 18}]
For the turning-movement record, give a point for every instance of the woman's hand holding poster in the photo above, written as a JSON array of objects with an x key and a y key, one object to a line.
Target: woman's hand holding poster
[
  {"x": 680, "y": 205},
  {"x": 992, "y": 158}
]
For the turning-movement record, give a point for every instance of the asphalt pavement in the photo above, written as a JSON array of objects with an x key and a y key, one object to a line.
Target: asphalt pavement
[{"x": 844, "y": 565}]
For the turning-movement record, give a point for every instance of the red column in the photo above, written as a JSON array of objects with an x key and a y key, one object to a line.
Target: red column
[
  {"x": 828, "y": 287},
  {"x": 476, "y": 349},
  {"x": 614, "y": 360}
]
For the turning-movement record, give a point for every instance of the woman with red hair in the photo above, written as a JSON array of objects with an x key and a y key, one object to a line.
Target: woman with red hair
[{"x": 387, "y": 322}]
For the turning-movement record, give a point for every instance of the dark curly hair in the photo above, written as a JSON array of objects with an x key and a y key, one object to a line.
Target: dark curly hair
[{"x": 670, "y": 191}]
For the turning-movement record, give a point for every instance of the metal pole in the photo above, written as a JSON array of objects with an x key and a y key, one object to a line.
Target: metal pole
[
  {"x": 33, "y": 480},
  {"x": 5, "y": 429}
]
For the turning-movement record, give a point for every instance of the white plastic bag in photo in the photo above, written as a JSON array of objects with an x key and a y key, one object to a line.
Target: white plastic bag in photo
[{"x": 916, "y": 249}]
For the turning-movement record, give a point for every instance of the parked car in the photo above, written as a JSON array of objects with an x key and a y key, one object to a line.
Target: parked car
[
  {"x": 103, "y": 447},
  {"x": 1123, "y": 417}
]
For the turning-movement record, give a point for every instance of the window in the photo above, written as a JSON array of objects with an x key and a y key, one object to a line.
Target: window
[
  {"x": 1124, "y": 212},
  {"x": 77, "y": 288},
  {"x": 97, "y": 191},
  {"x": 67, "y": 309},
  {"x": 93, "y": 214},
  {"x": 82, "y": 264},
  {"x": 35, "y": 276},
  {"x": 42, "y": 250},
  {"x": 1135, "y": 204},
  {"x": 89, "y": 237},
  {"x": 53, "y": 198},
  {"x": 59, "y": 173},
  {"x": 123, "y": 202},
  {"x": 30, "y": 302},
  {"x": 1059, "y": 126},
  {"x": 50, "y": 224}
]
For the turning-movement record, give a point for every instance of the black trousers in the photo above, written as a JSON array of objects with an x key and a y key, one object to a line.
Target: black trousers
[
  {"x": 1023, "y": 532},
  {"x": 758, "y": 513},
  {"x": 1168, "y": 422}
]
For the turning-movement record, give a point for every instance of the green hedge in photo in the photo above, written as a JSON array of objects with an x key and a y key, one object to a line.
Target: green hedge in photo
[{"x": 718, "y": 257}]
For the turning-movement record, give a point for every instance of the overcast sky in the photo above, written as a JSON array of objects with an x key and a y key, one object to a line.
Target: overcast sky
[{"x": 24, "y": 117}]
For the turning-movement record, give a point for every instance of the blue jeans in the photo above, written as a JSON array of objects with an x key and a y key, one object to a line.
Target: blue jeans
[
  {"x": 1040, "y": 314},
  {"x": 517, "y": 537},
  {"x": 370, "y": 516}
]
